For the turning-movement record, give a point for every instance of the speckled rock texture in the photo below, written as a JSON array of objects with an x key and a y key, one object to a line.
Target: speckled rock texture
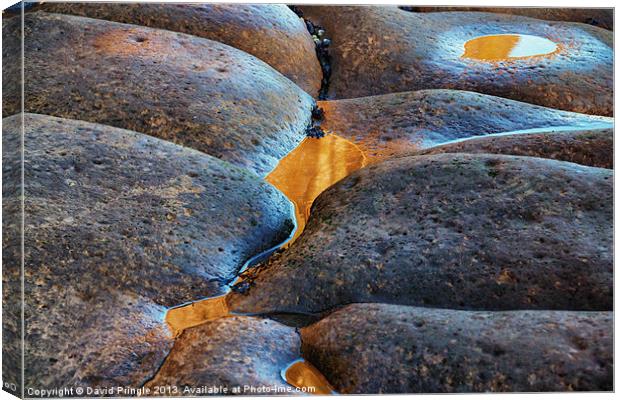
[
  {"x": 118, "y": 227},
  {"x": 388, "y": 125},
  {"x": 11, "y": 268},
  {"x": 231, "y": 352},
  {"x": 379, "y": 50},
  {"x": 270, "y": 32},
  {"x": 486, "y": 232},
  {"x": 587, "y": 147},
  {"x": 601, "y": 17},
  {"x": 380, "y": 348},
  {"x": 189, "y": 90},
  {"x": 11, "y": 247}
]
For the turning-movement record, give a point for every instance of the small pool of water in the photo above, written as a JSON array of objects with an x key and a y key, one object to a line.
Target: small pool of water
[
  {"x": 306, "y": 377},
  {"x": 196, "y": 313},
  {"x": 506, "y": 47},
  {"x": 302, "y": 175},
  {"x": 312, "y": 167}
]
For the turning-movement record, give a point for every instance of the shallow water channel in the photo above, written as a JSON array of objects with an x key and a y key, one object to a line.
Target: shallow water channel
[{"x": 312, "y": 167}]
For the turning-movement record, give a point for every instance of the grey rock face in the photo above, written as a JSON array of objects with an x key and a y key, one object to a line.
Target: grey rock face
[
  {"x": 587, "y": 147},
  {"x": 398, "y": 123},
  {"x": 601, "y": 17},
  {"x": 230, "y": 352},
  {"x": 189, "y": 90},
  {"x": 379, "y": 50},
  {"x": 118, "y": 227},
  {"x": 489, "y": 232},
  {"x": 11, "y": 268},
  {"x": 380, "y": 348},
  {"x": 270, "y": 32}
]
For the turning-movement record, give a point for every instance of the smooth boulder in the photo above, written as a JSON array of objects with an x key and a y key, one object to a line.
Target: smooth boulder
[
  {"x": 270, "y": 32},
  {"x": 241, "y": 355},
  {"x": 120, "y": 226},
  {"x": 399, "y": 123},
  {"x": 601, "y": 17},
  {"x": 381, "y": 348},
  {"x": 464, "y": 231},
  {"x": 192, "y": 91},
  {"x": 383, "y": 49},
  {"x": 587, "y": 147}
]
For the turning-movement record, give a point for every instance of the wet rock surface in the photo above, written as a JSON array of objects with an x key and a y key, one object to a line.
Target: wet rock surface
[
  {"x": 601, "y": 17},
  {"x": 379, "y": 50},
  {"x": 270, "y": 32},
  {"x": 118, "y": 227},
  {"x": 473, "y": 217},
  {"x": 380, "y": 348},
  {"x": 488, "y": 232},
  {"x": 231, "y": 352},
  {"x": 587, "y": 147},
  {"x": 192, "y": 91},
  {"x": 388, "y": 125}
]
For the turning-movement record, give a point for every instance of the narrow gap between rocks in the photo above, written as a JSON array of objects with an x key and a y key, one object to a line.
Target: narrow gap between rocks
[{"x": 321, "y": 44}]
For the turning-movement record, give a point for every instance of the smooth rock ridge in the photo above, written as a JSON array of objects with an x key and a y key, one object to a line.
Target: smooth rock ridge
[
  {"x": 119, "y": 226},
  {"x": 381, "y": 49},
  {"x": 270, "y": 32},
  {"x": 381, "y": 348},
  {"x": 510, "y": 233},
  {"x": 192, "y": 91}
]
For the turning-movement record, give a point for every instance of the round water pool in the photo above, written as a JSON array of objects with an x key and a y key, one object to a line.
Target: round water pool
[{"x": 507, "y": 47}]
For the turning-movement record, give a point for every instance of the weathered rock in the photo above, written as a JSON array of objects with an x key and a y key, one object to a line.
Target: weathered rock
[
  {"x": 270, "y": 32},
  {"x": 379, "y": 50},
  {"x": 380, "y": 348},
  {"x": 93, "y": 337},
  {"x": 230, "y": 352},
  {"x": 489, "y": 232},
  {"x": 601, "y": 17},
  {"x": 388, "y": 125},
  {"x": 118, "y": 227},
  {"x": 11, "y": 243},
  {"x": 11, "y": 270},
  {"x": 587, "y": 147},
  {"x": 193, "y": 91}
]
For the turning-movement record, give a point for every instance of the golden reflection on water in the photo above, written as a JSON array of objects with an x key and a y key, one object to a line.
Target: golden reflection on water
[
  {"x": 312, "y": 167},
  {"x": 304, "y": 375},
  {"x": 197, "y": 313},
  {"x": 506, "y": 47},
  {"x": 302, "y": 175}
]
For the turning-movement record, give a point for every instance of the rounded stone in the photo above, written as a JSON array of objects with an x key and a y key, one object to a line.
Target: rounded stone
[
  {"x": 120, "y": 226},
  {"x": 270, "y": 32},
  {"x": 587, "y": 147},
  {"x": 465, "y": 231},
  {"x": 231, "y": 352},
  {"x": 379, "y": 50},
  {"x": 601, "y": 17},
  {"x": 381, "y": 348},
  {"x": 399, "y": 123},
  {"x": 193, "y": 91}
]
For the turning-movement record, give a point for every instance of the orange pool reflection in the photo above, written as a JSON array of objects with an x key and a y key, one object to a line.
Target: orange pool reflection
[
  {"x": 197, "y": 313},
  {"x": 306, "y": 377},
  {"x": 302, "y": 175},
  {"x": 507, "y": 47},
  {"x": 311, "y": 168}
]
